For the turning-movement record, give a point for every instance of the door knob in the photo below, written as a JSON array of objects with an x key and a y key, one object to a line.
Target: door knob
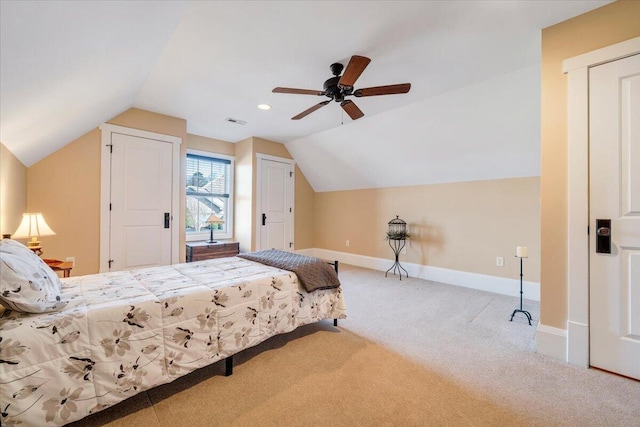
[{"x": 603, "y": 236}]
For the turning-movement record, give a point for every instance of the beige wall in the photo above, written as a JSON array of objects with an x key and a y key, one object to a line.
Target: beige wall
[
  {"x": 304, "y": 216},
  {"x": 211, "y": 145},
  {"x": 65, "y": 187},
  {"x": 152, "y": 122},
  {"x": 13, "y": 191},
  {"x": 461, "y": 226},
  {"x": 243, "y": 212},
  {"x": 271, "y": 148},
  {"x": 601, "y": 27}
]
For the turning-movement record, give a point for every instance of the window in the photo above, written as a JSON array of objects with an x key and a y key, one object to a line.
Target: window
[{"x": 209, "y": 185}]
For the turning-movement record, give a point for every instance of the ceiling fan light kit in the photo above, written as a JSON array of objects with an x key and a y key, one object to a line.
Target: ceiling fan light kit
[{"x": 338, "y": 87}]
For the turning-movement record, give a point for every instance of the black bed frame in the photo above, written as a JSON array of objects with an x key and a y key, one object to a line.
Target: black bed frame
[{"x": 228, "y": 362}]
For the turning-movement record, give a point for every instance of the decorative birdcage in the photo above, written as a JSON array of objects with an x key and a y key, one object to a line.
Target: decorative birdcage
[
  {"x": 397, "y": 236},
  {"x": 397, "y": 229}
]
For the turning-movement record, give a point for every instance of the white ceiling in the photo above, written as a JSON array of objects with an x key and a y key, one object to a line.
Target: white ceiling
[
  {"x": 488, "y": 130},
  {"x": 66, "y": 67}
]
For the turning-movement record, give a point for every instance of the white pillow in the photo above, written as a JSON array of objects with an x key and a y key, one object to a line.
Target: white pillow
[
  {"x": 8, "y": 245},
  {"x": 27, "y": 284}
]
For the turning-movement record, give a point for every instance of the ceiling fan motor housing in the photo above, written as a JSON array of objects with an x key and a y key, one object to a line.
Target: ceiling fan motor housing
[
  {"x": 331, "y": 86},
  {"x": 332, "y": 90}
]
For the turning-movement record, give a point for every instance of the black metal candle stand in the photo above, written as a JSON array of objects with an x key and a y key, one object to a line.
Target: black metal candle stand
[
  {"x": 397, "y": 246},
  {"x": 520, "y": 310}
]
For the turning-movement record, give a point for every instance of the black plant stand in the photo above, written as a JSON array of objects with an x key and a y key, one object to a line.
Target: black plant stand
[
  {"x": 520, "y": 310},
  {"x": 397, "y": 246}
]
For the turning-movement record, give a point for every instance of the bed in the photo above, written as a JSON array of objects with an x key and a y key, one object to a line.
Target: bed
[{"x": 121, "y": 333}]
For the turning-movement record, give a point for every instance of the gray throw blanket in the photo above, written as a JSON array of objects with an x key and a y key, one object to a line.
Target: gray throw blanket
[{"x": 313, "y": 273}]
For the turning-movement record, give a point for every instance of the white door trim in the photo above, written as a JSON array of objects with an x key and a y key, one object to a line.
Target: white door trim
[
  {"x": 105, "y": 187},
  {"x": 577, "y": 69},
  {"x": 260, "y": 157},
  {"x": 600, "y": 56}
]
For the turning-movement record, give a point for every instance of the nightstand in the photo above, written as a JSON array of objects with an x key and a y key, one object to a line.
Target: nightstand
[
  {"x": 199, "y": 251},
  {"x": 57, "y": 265}
]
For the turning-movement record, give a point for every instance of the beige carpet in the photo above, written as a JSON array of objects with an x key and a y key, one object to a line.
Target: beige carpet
[{"x": 411, "y": 353}]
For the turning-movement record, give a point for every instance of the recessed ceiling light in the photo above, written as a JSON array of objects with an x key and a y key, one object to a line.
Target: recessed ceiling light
[{"x": 264, "y": 106}]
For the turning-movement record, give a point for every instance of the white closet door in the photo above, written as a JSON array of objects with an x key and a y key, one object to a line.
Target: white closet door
[
  {"x": 276, "y": 205},
  {"x": 614, "y": 143},
  {"x": 141, "y": 196}
]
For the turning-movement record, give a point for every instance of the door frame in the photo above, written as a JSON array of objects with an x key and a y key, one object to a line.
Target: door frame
[
  {"x": 577, "y": 70},
  {"x": 105, "y": 187},
  {"x": 259, "y": 158}
]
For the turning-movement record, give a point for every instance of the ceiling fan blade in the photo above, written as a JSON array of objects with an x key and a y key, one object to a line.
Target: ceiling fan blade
[
  {"x": 352, "y": 109},
  {"x": 356, "y": 66},
  {"x": 310, "y": 110},
  {"x": 383, "y": 90},
  {"x": 297, "y": 91}
]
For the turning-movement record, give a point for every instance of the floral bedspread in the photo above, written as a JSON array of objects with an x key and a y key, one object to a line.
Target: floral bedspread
[{"x": 125, "y": 332}]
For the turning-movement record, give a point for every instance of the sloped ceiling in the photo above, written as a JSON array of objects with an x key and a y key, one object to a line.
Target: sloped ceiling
[
  {"x": 488, "y": 130},
  {"x": 66, "y": 67}
]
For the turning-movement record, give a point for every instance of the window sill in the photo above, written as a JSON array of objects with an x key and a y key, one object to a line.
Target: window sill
[{"x": 198, "y": 237}]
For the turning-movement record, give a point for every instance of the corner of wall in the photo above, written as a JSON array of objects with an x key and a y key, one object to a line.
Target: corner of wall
[
  {"x": 13, "y": 190},
  {"x": 551, "y": 342},
  {"x": 243, "y": 212}
]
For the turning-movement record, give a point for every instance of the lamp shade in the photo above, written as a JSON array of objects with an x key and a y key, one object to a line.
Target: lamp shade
[
  {"x": 213, "y": 219},
  {"x": 33, "y": 225}
]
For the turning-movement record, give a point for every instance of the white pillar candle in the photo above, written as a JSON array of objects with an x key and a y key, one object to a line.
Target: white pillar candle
[{"x": 521, "y": 251}]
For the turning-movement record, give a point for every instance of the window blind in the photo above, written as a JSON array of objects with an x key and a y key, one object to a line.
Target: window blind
[{"x": 207, "y": 176}]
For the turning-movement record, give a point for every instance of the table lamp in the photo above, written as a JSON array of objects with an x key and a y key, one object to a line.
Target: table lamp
[
  {"x": 213, "y": 219},
  {"x": 33, "y": 226}
]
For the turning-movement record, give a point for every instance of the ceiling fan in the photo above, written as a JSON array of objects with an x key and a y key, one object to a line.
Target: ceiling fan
[{"x": 338, "y": 87}]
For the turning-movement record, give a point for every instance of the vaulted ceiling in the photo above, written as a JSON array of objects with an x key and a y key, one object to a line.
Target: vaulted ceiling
[{"x": 472, "y": 112}]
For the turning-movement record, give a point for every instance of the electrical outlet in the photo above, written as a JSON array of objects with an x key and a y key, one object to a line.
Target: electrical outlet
[
  {"x": 72, "y": 259},
  {"x": 404, "y": 250},
  {"x": 500, "y": 261},
  {"x": 347, "y": 243}
]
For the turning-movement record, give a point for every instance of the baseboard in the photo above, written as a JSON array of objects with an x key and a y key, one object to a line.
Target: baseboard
[
  {"x": 307, "y": 252},
  {"x": 499, "y": 285},
  {"x": 578, "y": 344},
  {"x": 552, "y": 342}
]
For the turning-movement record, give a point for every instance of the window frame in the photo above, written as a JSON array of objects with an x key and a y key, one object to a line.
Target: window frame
[{"x": 204, "y": 235}]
